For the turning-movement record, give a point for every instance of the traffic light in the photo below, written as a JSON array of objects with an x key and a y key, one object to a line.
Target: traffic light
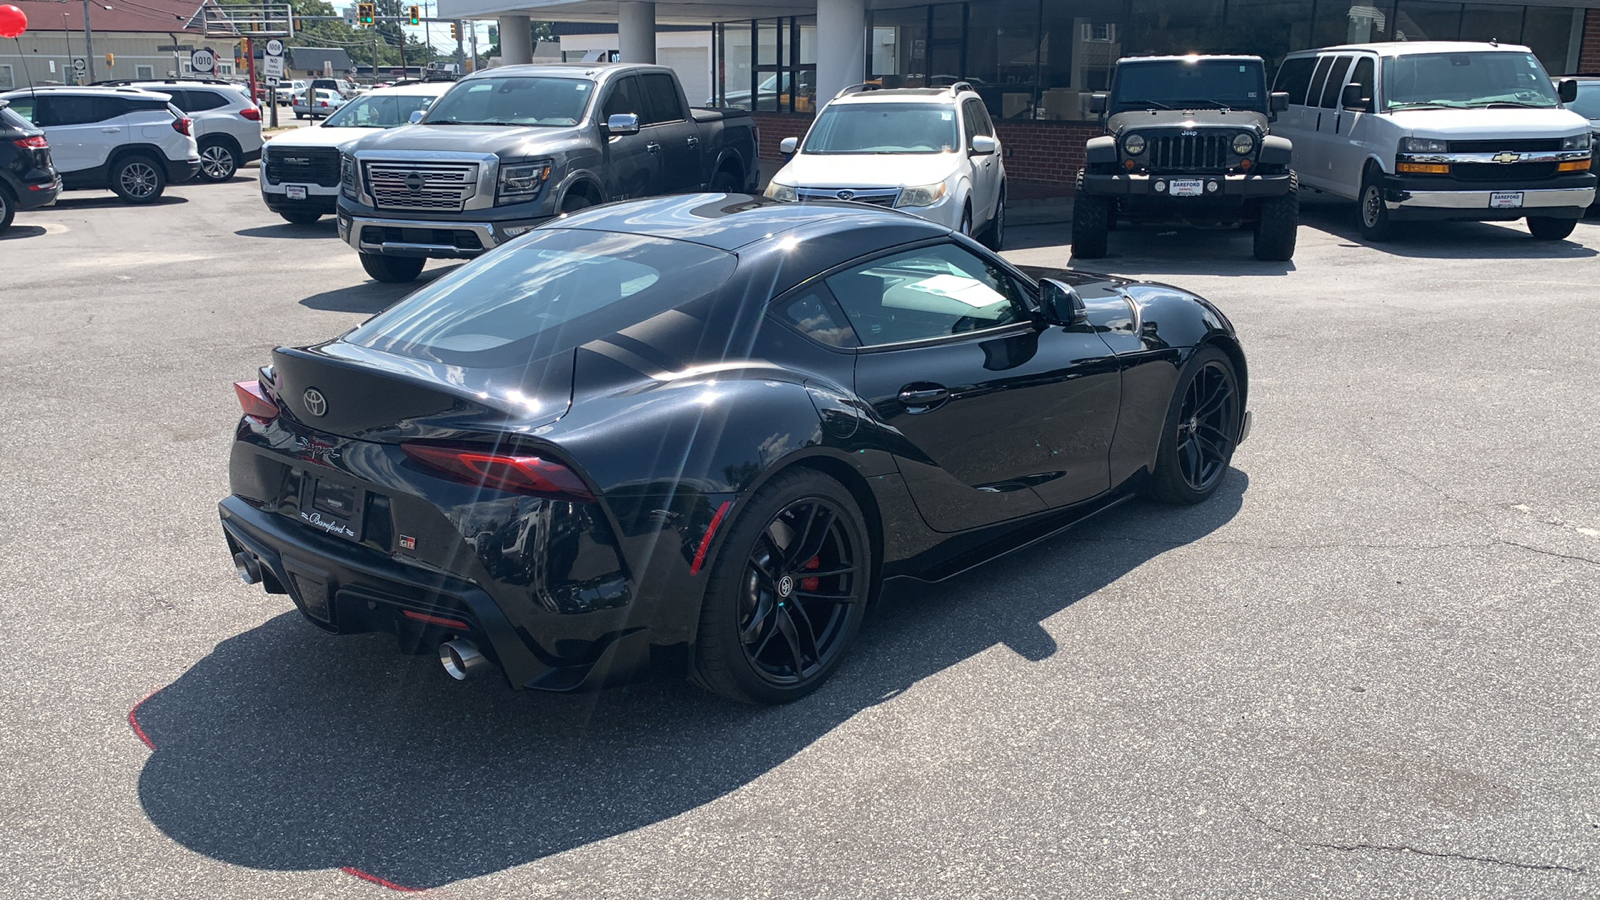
[
  {"x": 365, "y": 13},
  {"x": 416, "y": 15},
  {"x": 111, "y": 59},
  {"x": 455, "y": 31}
]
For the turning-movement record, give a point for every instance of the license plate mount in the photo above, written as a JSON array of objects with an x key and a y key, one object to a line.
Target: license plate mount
[
  {"x": 295, "y": 191},
  {"x": 331, "y": 507},
  {"x": 1505, "y": 200},
  {"x": 1187, "y": 187}
]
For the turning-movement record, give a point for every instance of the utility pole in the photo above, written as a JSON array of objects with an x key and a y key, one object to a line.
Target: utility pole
[
  {"x": 474, "y": 46},
  {"x": 88, "y": 42},
  {"x": 461, "y": 62},
  {"x": 427, "y": 36}
]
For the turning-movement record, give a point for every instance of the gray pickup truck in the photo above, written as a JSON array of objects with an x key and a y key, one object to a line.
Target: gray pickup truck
[{"x": 508, "y": 148}]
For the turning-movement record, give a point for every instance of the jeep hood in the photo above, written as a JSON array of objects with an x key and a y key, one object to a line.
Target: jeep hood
[
  {"x": 1188, "y": 118},
  {"x": 1482, "y": 124}
]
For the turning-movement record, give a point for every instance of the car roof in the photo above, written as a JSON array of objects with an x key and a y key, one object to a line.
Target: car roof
[
  {"x": 1413, "y": 48},
  {"x": 422, "y": 87},
  {"x": 730, "y": 221},
  {"x": 933, "y": 95},
  {"x": 74, "y": 90},
  {"x": 593, "y": 71},
  {"x": 1191, "y": 57}
]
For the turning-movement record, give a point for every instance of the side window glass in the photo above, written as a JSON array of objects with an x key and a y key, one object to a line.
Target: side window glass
[
  {"x": 931, "y": 292},
  {"x": 624, "y": 99},
  {"x": 70, "y": 110},
  {"x": 987, "y": 124},
  {"x": 1317, "y": 78},
  {"x": 1294, "y": 78},
  {"x": 662, "y": 96},
  {"x": 180, "y": 99},
  {"x": 200, "y": 101},
  {"x": 1363, "y": 76},
  {"x": 815, "y": 313},
  {"x": 1330, "y": 91},
  {"x": 24, "y": 107}
]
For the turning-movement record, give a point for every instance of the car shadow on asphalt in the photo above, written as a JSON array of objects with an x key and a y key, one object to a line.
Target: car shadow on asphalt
[
  {"x": 287, "y": 749},
  {"x": 110, "y": 199},
  {"x": 372, "y": 297},
  {"x": 19, "y": 232},
  {"x": 323, "y": 229},
  {"x": 1441, "y": 240}
]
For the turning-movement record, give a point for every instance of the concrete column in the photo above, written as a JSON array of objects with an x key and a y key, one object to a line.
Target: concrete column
[
  {"x": 636, "y": 31},
  {"x": 841, "y": 46},
  {"x": 516, "y": 40}
]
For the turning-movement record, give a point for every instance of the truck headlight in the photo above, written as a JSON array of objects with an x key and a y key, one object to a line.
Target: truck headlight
[
  {"x": 1576, "y": 142},
  {"x": 1422, "y": 145},
  {"x": 783, "y": 193},
  {"x": 921, "y": 195},
  {"x": 1243, "y": 143},
  {"x": 521, "y": 181},
  {"x": 347, "y": 176},
  {"x": 1133, "y": 144}
]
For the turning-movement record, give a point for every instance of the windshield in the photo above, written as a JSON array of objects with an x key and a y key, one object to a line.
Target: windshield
[
  {"x": 545, "y": 293},
  {"x": 1466, "y": 80},
  {"x": 884, "y": 128},
  {"x": 382, "y": 111},
  {"x": 1588, "y": 102},
  {"x": 1190, "y": 84},
  {"x": 513, "y": 100}
]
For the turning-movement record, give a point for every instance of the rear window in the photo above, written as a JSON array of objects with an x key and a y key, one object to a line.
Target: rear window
[
  {"x": 553, "y": 290},
  {"x": 11, "y": 120}
]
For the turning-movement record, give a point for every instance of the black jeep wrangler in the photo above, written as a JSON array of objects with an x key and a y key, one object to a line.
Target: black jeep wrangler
[{"x": 1188, "y": 143}]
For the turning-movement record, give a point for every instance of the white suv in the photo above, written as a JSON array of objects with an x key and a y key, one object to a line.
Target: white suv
[
  {"x": 300, "y": 168},
  {"x": 128, "y": 141},
  {"x": 931, "y": 152},
  {"x": 227, "y": 122}
]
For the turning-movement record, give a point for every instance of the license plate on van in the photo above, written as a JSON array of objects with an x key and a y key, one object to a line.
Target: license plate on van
[
  {"x": 1505, "y": 200},
  {"x": 1188, "y": 188}
]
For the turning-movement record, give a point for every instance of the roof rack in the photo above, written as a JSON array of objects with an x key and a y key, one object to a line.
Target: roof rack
[
  {"x": 960, "y": 86},
  {"x": 857, "y": 89},
  {"x": 128, "y": 82}
]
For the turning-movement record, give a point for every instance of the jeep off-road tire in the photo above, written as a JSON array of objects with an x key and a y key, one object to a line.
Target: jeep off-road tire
[
  {"x": 392, "y": 269},
  {"x": 1091, "y": 225},
  {"x": 1279, "y": 225}
]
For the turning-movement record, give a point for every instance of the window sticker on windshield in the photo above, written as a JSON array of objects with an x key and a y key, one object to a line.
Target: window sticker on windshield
[
  {"x": 964, "y": 289},
  {"x": 946, "y": 116},
  {"x": 1251, "y": 95}
]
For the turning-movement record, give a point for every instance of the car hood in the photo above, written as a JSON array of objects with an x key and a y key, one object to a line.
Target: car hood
[
  {"x": 1489, "y": 123},
  {"x": 506, "y": 142},
  {"x": 319, "y": 137},
  {"x": 867, "y": 170},
  {"x": 1188, "y": 118}
]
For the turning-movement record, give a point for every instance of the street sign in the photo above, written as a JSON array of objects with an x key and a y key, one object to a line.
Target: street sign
[
  {"x": 79, "y": 64},
  {"x": 272, "y": 67},
  {"x": 273, "y": 81},
  {"x": 203, "y": 61},
  {"x": 174, "y": 48},
  {"x": 275, "y": 47}
]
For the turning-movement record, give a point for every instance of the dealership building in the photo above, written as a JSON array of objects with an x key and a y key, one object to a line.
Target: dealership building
[{"x": 1035, "y": 62}]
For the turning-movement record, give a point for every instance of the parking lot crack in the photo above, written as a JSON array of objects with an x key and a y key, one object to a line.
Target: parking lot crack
[{"x": 1543, "y": 552}]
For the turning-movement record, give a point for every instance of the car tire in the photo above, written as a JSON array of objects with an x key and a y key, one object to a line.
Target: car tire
[
  {"x": 219, "y": 161},
  {"x": 301, "y": 218},
  {"x": 392, "y": 269},
  {"x": 1545, "y": 228},
  {"x": 1279, "y": 225},
  {"x": 1371, "y": 212},
  {"x": 768, "y": 632},
  {"x": 725, "y": 182},
  {"x": 1091, "y": 224},
  {"x": 994, "y": 236},
  {"x": 138, "y": 179},
  {"x": 571, "y": 203},
  {"x": 8, "y": 208},
  {"x": 1201, "y": 430},
  {"x": 966, "y": 220},
  {"x": 299, "y": 115}
]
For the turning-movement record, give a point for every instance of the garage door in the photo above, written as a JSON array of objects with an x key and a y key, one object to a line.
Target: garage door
[{"x": 693, "y": 65}]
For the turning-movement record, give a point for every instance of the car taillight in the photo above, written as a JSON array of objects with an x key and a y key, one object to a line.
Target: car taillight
[
  {"x": 517, "y": 474},
  {"x": 252, "y": 113},
  {"x": 324, "y": 103},
  {"x": 254, "y": 400},
  {"x": 183, "y": 125},
  {"x": 37, "y": 142}
]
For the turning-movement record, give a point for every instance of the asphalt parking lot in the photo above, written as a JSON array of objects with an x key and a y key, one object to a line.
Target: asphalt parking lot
[{"x": 1367, "y": 668}]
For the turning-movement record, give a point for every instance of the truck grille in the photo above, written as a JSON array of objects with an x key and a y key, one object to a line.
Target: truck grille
[
  {"x": 1190, "y": 151},
  {"x": 873, "y": 196},
  {"x": 310, "y": 166},
  {"x": 1524, "y": 171},
  {"x": 429, "y": 186}
]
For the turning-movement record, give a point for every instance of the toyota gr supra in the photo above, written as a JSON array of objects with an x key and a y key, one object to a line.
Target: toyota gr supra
[{"x": 697, "y": 433}]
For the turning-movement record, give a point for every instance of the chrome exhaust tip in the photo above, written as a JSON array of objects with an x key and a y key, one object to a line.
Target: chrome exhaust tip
[
  {"x": 461, "y": 659},
  {"x": 248, "y": 567}
]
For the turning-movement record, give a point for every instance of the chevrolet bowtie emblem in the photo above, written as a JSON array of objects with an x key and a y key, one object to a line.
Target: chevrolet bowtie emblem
[{"x": 1507, "y": 157}]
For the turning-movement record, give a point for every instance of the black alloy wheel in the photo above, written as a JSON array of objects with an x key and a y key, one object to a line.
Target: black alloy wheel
[
  {"x": 787, "y": 592},
  {"x": 1201, "y": 432},
  {"x": 217, "y": 161}
]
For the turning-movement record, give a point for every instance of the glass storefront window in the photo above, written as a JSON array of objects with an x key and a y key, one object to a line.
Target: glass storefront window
[
  {"x": 1425, "y": 20},
  {"x": 898, "y": 48},
  {"x": 1491, "y": 22},
  {"x": 1352, "y": 22},
  {"x": 1177, "y": 26},
  {"x": 1270, "y": 29},
  {"x": 1003, "y": 57},
  {"x": 1079, "y": 45},
  {"x": 1551, "y": 34}
]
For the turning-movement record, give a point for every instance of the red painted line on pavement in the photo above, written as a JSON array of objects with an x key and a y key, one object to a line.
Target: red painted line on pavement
[
  {"x": 381, "y": 882},
  {"x": 133, "y": 719}
]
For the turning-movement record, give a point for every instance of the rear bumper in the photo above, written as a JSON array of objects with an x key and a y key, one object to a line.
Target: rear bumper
[
  {"x": 346, "y": 588},
  {"x": 34, "y": 194},
  {"x": 181, "y": 170}
]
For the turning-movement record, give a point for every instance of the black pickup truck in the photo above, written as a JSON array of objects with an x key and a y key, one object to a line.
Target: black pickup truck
[{"x": 508, "y": 148}]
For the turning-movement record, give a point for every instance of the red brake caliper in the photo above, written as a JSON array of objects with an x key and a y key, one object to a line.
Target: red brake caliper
[{"x": 811, "y": 584}]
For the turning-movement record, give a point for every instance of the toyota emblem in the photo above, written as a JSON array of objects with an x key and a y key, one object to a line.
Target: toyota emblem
[
  {"x": 785, "y": 586},
  {"x": 316, "y": 404},
  {"x": 846, "y": 195},
  {"x": 415, "y": 182}
]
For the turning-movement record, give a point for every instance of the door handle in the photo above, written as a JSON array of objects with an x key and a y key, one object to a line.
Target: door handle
[
  {"x": 694, "y": 142},
  {"x": 110, "y": 130},
  {"x": 653, "y": 147},
  {"x": 924, "y": 394}
]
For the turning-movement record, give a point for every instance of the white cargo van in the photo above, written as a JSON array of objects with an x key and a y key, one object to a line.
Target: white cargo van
[{"x": 1438, "y": 130}]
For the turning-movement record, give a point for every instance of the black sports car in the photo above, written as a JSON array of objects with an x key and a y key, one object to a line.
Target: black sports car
[{"x": 698, "y": 432}]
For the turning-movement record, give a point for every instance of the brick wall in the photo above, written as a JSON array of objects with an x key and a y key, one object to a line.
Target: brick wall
[
  {"x": 1043, "y": 152},
  {"x": 1589, "y": 56}
]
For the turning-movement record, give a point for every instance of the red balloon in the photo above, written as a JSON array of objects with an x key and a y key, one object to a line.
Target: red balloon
[{"x": 12, "y": 22}]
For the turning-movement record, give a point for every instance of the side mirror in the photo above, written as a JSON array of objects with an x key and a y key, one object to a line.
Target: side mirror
[
  {"x": 416, "y": 116},
  {"x": 788, "y": 146},
  {"x": 1351, "y": 98},
  {"x": 622, "y": 124},
  {"x": 984, "y": 145},
  {"x": 1059, "y": 304},
  {"x": 1097, "y": 104},
  {"x": 1567, "y": 90},
  {"x": 1280, "y": 101}
]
